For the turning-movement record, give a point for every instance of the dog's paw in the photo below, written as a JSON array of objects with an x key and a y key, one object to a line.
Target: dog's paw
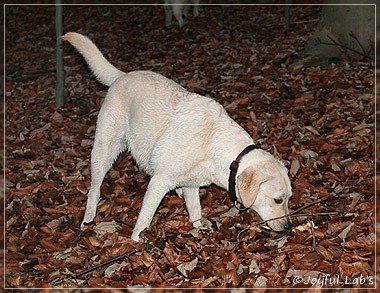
[
  {"x": 200, "y": 226},
  {"x": 135, "y": 237},
  {"x": 83, "y": 226},
  {"x": 197, "y": 223},
  {"x": 206, "y": 224},
  {"x": 89, "y": 216},
  {"x": 86, "y": 223}
]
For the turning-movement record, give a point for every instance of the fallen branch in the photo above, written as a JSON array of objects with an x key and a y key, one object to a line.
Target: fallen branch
[
  {"x": 125, "y": 223},
  {"x": 238, "y": 241},
  {"x": 30, "y": 74},
  {"x": 297, "y": 214},
  {"x": 310, "y": 204},
  {"x": 313, "y": 234},
  {"x": 315, "y": 248},
  {"x": 106, "y": 263},
  {"x": 323, "y": 199}
]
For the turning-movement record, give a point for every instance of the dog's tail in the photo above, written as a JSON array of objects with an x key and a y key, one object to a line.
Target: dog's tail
[{"x": 103, "y": 70}]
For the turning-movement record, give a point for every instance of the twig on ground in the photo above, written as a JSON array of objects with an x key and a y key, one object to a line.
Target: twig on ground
[
  {"x": 314, "y": 245},
  {"x": 30, "y": 74},
  {"x": 125, "y": 223},
  {"x": 313, "y": 234},
  {"x": 323, "y": 199},
  {"x": 311, "y": 204},
  {"x": 106, "y": 263},
  {"x": 315, "y": 248},
  {"x": 297, "y": 214},
  {"x": 238, "y": 241}
]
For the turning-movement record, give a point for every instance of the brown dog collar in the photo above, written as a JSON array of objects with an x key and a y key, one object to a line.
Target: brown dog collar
[{"x": 232, "y": 178}]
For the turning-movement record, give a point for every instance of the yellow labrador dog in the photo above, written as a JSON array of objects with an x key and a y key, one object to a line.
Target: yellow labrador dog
[{"x": 182, "y": 140}]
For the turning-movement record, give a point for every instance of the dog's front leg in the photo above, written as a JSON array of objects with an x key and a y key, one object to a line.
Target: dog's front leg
[
  {"x": 156, "y": 191},
  {"x": 193, "y": 205}
]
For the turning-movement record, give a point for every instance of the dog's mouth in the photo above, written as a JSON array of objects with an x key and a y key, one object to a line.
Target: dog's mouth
[
  {"x": 276, "y": 223},
  {"x": 280, "y": 225}
]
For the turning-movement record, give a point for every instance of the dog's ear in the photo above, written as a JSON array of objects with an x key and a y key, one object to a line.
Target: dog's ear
[{"x": 248, "y": 184}]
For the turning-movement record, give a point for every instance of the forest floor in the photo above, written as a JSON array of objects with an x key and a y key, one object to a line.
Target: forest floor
[{"x": 319, "y": 121}]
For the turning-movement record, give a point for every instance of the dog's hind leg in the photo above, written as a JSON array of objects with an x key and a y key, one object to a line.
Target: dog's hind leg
[
  {"x": 168, "y": 15},
  {"x": 109, "y": 143},
  {"x": 178, "y": 13}
]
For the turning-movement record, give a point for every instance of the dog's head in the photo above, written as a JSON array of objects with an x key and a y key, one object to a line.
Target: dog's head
[{"x": 263, "y": 185}]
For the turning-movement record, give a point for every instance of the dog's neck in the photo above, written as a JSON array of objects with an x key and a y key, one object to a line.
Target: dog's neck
[
  {"x": 233, "y": 172},
  {"x": 228, "y": 150},
  {"x": 227, "y": 155}
]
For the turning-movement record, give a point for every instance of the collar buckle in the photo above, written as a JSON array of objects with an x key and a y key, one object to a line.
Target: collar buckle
[{"x": 240, "y": 206}]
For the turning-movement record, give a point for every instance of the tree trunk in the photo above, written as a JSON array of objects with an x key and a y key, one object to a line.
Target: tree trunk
[
  {"x": 59, "y": 99},
  {"x": 342, "y": 29}
]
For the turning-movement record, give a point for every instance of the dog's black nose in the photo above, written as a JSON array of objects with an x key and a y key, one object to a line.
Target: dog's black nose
[{"x": 288, "y": 226}]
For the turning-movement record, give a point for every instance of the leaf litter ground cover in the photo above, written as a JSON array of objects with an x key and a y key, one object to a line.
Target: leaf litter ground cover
[{"x": 319, "y": 121}]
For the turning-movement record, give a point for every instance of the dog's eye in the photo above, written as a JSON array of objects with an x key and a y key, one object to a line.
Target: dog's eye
[{"x": 278, "y": 200}]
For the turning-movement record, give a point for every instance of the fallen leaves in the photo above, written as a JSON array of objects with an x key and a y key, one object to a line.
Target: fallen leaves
[
  {"x": 186, "y": 267},
  {"x": 319, "y": 121}
]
